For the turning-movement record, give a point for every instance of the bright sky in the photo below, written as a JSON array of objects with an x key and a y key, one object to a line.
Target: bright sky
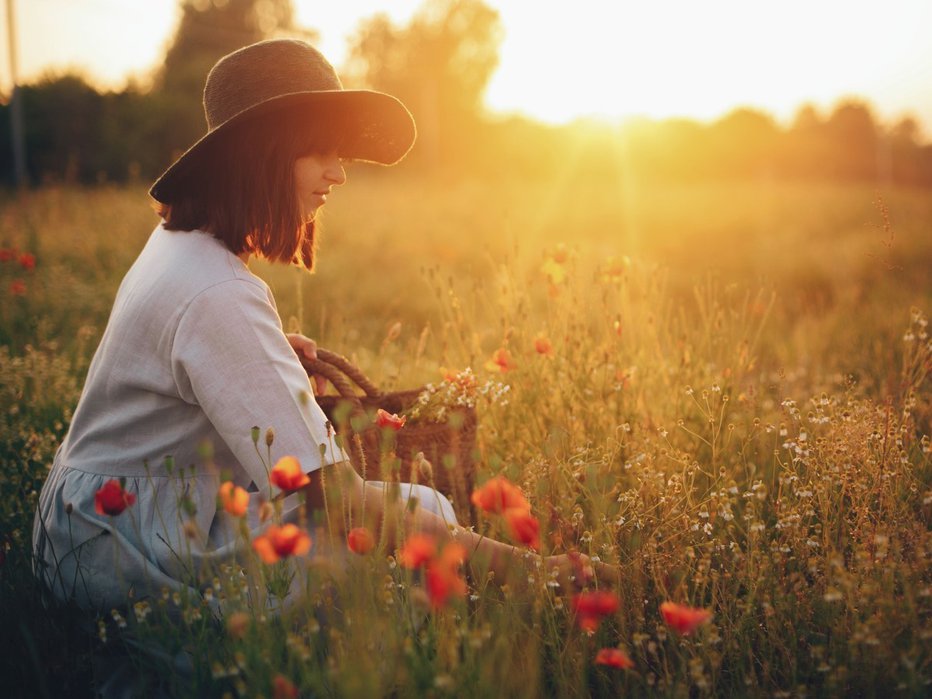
[{"x": 561, "y": 60}]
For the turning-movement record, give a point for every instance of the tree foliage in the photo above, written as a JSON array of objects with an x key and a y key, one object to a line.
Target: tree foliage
[{"x": 207, "y": 31}]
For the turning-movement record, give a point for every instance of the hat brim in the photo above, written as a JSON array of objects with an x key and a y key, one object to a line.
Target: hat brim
[{"x": 375, "y": 128}]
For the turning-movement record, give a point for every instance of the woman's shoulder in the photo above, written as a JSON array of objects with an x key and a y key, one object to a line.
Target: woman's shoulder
[
  {"x": 178, "y": 269},
  {"x": 190, "y": 262}
]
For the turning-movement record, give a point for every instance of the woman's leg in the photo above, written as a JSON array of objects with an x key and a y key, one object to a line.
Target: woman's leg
[{"x": 430, "y": 499}]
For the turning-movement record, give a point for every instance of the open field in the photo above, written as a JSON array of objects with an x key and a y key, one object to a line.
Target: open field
[{"x": 736, "y": 410}]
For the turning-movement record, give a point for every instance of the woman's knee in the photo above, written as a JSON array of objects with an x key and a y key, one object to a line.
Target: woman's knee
[{"x": 431, "y": 500}]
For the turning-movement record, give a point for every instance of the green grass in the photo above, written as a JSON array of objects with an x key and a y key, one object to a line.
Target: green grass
[{"x": 734, "y": 415}]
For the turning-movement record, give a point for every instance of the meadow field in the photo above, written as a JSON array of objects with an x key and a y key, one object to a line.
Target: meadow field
[{"x": 721, "y": 388}]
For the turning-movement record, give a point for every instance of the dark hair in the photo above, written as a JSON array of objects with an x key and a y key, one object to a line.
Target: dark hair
[{"x": 242, "y": 189}]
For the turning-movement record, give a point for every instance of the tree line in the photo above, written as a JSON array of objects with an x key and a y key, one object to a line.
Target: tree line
[{"x": 439, "y": 64}]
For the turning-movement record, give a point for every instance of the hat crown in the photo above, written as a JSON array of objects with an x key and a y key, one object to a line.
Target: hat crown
[{"x": 262, "y": 72}]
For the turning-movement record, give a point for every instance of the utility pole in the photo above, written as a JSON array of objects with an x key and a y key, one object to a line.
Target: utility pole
[{"x": 16, "y": 104}]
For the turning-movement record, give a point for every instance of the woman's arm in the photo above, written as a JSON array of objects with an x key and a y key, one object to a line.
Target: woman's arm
[
  {"x": 394, "y": 522},
  {"x": 307, "y": 348}
]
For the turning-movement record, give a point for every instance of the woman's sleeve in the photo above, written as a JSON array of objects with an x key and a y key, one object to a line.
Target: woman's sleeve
[{"x": 230, "y": 357}]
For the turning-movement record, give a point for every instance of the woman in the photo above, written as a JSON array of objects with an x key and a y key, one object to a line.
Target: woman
[{"x": 194, "y": 351}]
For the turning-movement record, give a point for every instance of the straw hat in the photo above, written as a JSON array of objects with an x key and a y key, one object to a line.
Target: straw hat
[{"x": 279, "y": 75}]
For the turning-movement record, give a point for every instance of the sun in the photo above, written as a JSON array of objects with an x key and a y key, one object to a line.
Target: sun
[{"x": 690, "y": 59}]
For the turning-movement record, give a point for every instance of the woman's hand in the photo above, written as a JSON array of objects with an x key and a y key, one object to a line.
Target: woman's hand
[
  {"x": 574, "y": 571},
  {"x": 302, "y": 345},
  {"x": 306, "y": 347}
]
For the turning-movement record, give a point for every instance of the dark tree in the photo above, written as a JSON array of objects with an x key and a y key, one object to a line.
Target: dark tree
[
  {"x": 853, "y": 137},
  {"x": 743, "y": 143},
  {"x": 208, "y": 30},
  {"x": 62, "y": 117}
]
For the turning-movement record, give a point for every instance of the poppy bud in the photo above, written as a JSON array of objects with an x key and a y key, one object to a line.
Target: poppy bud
[
  {"x": 393, "y": 333},
  {"x": 424, "y": 467},
  {"x": 205, "y": 450},
  {"x": 269, "y": 437},
  {"x": 266, "y": 510},
  {"x": 237, "y": 625}
]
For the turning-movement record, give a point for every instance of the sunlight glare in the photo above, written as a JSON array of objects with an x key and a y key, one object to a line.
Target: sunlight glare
[{"x": 691, "y": 59}]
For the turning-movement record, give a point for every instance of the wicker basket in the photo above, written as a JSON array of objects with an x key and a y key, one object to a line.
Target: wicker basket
[{"x": 448, "y": 446}]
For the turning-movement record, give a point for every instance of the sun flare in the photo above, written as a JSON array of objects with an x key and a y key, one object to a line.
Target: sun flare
[{"x": 695, "y": 60}]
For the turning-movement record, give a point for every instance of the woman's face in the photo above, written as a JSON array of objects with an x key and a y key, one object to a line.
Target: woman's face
[{"x": 314, "y": 176}]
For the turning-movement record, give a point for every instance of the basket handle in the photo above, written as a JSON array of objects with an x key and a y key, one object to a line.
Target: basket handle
[{"x": 338, "y": 369}]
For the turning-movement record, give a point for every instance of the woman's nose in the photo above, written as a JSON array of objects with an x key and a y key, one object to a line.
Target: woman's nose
[{"x": 335, "y": 171}]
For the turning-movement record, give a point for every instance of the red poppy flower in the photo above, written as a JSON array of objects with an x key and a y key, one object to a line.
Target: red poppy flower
[
  {"x": 589, "y": 624},
  {"x": 501, "y": 360},
  {"x": 592, "y": 607},
  {"x": 613, "y": 657},
  {"x": 360, "y": 540},
  {"x": 111, "y": 499},
  {"x": 418, "y": 549},
  {"x": 499, "y": 494},
  {"x": 18, "y": 287},
  {"x": 282, "y": 688},
  {"x": 560, "y": 254},
  {"x": 524, "y": 527},
  {"x": 682, "y": 619},
  {"x": 543, "y": 346},
  {"x": 596, "y": 603},
  {"x": 390, "y": 420},
  {"x": 287, "y": 474},
  {"x": 625, "y": 376},
  {"x": 443, "y": 578},
  {"x": 615, "y": 268},
  {"x": 7, "y": 254},
  {"x": 27, "y": 261},
  {"x": 234, "y": 499},
  {"x": 237, "y": 625},
  {"x": 281, "y": 542}
]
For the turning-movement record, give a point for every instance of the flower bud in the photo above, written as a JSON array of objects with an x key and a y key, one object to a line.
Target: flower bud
[
  {"x": 237, "y": 625},
  {"x": 255, "y": 434},
  {"x": 269, "y": 437},
  {"x": 393, "y": 333},
  {"x": 424, "y": 467},
  {"x": 205, "y": 450}
]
